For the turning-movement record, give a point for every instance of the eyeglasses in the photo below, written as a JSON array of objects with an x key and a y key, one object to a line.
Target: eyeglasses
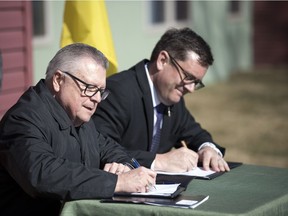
[
  {"x": 188, "y": 78},
  {"x": 90, "y": 90}
]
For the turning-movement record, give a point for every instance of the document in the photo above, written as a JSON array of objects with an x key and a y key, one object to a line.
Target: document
[{"x": 198, "y": 172}]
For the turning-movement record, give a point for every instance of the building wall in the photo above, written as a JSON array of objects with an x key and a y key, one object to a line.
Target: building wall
[
  {"x": 229, "y": 36},
  {"x": 16, "y": 49},
  {"x": 134, "y": 39},
  {"x": 45, "y": 49}
]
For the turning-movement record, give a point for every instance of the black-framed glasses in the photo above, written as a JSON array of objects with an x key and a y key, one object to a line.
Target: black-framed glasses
[
  {"x": 188, "y": 78},
  {"x": 90, "y": 90}
]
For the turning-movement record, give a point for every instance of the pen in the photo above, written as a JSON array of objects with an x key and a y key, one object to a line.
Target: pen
[
  {"x": 183, "y": 143},
  {"x": 135, "y": 164}
]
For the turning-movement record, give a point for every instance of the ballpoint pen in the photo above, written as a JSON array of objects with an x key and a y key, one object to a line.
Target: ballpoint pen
[{"x": 135, "y": 163}]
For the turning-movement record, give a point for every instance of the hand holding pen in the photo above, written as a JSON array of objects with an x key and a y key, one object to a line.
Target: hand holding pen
[
  {"x": 134, "y": 164},
  {"x": 178, "y": 160},
  {"x": 138, "y": 179}
]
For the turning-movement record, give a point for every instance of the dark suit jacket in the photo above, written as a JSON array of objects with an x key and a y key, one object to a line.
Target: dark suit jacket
[{"x": 127, "y": 116}]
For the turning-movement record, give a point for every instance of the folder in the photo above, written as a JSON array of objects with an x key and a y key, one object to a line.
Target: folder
[
  {"x": 172, "y": 179},
  {"x": 167, "y": 191},
  {"x": 181, "y": 201}
]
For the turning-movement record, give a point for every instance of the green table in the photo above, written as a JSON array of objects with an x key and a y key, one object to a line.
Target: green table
[{"x": 245, "y": 190}]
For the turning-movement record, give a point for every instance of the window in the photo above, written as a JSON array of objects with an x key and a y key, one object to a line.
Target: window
[
  {"x": 168, "y": 13},
  {"x": 40, "y": 21},
  {"x": 157, "y": 11},
  {"x": 181, "y": 10},
  {"x": 38, "y": 18},
  {"x": 234, "y": 8}
]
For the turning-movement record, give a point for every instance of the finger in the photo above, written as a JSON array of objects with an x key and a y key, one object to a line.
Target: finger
[
  {"x": 206, "y": 163},
  {"x": 121, "y": 169},
  {"x": 150, "y": 186},
  {"x": 191, "y": 164},
  {"x": 107, "y": 167},
  {"x": 221, "y": 163},
  {"x": 192, "y": 160},
  {"x": 150, "y": 172},
  {"x": 126, "y": 168},
  {"x": 215, "y": 162},
  {"x": 226, "y": 166},
  {"x": 114, "y": 168}
]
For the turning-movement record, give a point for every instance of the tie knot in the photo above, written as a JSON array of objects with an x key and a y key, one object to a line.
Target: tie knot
[{"x": 160, "y": 108}]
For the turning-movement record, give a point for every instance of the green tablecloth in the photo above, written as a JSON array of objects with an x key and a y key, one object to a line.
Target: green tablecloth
[{"x": 245, "y": 190}]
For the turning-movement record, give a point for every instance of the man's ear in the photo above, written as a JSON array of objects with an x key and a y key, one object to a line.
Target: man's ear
[
  {"x": 162, "y": 60},
  {"x": 57, "y": 80}
]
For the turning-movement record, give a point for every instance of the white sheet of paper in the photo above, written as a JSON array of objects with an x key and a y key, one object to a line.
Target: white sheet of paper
[
  {"x": 162, "y": 189},
  {"x": 186, "y": 202},
  {"x": 199, "y": 171}
]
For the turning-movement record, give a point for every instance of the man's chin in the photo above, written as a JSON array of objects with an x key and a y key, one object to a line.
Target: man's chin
[
  {"x": 174, "y": 100},
  {"x": 83, "y": 120}
]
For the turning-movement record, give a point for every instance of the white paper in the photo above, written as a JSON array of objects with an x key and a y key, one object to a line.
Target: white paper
[
  {"x": 199, "y": 171},
  {"x": 186, "y": 202},
  {"x": 162, "y": 189}
]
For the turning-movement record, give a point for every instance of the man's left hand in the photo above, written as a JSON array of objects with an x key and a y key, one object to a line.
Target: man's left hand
[{"x": 212, "y": 160}]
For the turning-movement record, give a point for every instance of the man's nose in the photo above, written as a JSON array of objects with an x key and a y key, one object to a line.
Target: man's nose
[
  {"x": 96, "y": 97},
  {"x": 190, "y": 87}
]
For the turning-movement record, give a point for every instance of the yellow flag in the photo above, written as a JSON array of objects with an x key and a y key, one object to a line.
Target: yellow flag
[{"x": 87, "y": 22}]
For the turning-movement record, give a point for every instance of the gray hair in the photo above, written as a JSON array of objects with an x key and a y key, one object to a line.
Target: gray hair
[{"x": 68, "y": 57}]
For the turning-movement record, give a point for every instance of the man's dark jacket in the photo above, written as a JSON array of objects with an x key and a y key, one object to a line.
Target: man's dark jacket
[
  {"x": 127, "y": 116},
  {"x": 44, "y": 159}
]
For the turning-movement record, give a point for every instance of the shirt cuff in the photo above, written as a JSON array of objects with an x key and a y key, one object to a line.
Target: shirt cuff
[
  {"x": 152, "y": 165},
  {"x": 212, "y": 146}
]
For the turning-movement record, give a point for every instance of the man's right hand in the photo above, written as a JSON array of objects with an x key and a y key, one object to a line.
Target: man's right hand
[
  {"x": 136, "y": 180},
  {"x": 178, "y": 160}
]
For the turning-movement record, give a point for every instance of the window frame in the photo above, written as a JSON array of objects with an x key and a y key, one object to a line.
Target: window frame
[
  {"x": 169, "y": 17},
  {"x": 46, "y": 38}
]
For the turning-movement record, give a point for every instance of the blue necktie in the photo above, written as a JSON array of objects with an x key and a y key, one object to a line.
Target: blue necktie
[{"x": 156, "y": 138}]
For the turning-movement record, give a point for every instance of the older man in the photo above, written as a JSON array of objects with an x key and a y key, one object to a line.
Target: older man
[{"x": 50, "y": 151}]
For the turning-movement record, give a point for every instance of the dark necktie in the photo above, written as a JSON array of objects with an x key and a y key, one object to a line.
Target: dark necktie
[{"x": 156, "y": 138}]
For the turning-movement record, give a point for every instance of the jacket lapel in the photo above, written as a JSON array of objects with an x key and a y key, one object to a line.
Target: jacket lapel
[{"x": 146, "y": 97}]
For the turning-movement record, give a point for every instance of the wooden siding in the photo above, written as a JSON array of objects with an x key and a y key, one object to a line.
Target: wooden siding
[{"x": 16, "y": 51}]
